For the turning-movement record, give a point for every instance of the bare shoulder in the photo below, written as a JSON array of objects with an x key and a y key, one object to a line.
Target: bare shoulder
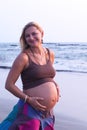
[
  {"x": 22, "y": 57},
  {"x": 20, "y": 61},
  {"x": 17, "y": 67},
  {"x": 52, "y": 55}
]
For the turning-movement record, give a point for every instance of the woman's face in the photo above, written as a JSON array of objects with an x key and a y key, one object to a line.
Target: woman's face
[{"x": 33, "y": 36}]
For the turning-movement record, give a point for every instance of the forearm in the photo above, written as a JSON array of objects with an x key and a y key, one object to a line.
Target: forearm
[{"x": 16, "y": 91}]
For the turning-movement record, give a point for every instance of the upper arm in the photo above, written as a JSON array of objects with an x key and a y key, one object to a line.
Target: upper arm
[{"x": 17, "y": 67}]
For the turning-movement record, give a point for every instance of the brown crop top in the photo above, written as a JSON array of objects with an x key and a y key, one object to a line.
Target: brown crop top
[{"x": 36, "y": 74}]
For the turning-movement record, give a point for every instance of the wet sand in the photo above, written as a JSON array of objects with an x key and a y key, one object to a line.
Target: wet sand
[{"x": 70, "y": 111}]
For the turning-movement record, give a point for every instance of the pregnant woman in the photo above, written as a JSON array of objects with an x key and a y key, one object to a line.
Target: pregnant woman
[{"x": 34, "y": 110}]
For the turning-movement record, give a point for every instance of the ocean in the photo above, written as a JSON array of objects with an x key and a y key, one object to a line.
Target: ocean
[{"x": 69, "y": 56}]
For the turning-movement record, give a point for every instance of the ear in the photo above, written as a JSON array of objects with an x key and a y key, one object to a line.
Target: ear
[{"x": 42, "y": 33}]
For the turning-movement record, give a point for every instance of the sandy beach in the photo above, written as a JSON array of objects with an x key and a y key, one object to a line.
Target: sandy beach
[{"x": 70, "y": 111}]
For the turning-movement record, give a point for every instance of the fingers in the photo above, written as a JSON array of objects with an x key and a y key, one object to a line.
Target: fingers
[
  {"x": 40, "y": 106},
  {"x": 39, "y": 98},
  {"x": 34, "y": 101}
]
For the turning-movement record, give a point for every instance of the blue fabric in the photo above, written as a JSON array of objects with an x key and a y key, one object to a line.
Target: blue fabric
[
  {"x": 24, "y": 115},
  {"x": 5, "y": 124}
]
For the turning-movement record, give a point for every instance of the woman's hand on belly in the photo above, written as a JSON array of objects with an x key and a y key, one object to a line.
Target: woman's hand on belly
[
  {"x": 43, "y": 97},
  {"x": 35, "y": 103}
]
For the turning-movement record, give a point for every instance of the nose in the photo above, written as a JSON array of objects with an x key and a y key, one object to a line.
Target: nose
[{"x": 31, "y": 36}]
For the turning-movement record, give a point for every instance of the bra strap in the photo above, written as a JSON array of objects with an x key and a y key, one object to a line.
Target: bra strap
[
  {"x": 29, "y": 59},
  {"x": 48, "y": 51}
]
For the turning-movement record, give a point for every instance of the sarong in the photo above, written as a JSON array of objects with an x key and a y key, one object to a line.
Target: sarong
[
  {"x": 6, "y": 123},
  {"x": 25, "y": 117}
]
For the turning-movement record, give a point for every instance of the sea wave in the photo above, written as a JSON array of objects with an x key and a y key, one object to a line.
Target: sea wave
[{"x": 69, "y": 57}]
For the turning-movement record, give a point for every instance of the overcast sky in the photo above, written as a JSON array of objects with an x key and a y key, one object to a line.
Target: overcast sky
[{"x": 61, "y": 20}]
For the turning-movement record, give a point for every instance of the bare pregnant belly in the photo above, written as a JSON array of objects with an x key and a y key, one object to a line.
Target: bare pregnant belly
[{"x": 47, "y": 91}]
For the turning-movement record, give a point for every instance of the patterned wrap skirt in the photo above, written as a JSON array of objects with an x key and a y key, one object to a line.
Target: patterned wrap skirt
[{"x": 25, "y": 117}]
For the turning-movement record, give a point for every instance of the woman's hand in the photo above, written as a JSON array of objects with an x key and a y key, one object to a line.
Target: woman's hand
[{"x": 34, "y": 102}]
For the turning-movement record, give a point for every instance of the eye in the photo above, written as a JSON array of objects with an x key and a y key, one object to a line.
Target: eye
[
  {"x": 27, "y": 35},
  {"x": 34, "y": 33}
]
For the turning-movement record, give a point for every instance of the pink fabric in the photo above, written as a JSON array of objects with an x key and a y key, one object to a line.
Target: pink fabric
[
  {"x": 49, "y": 127},
  {"x": 30, "y": 125},
  {"x": 30, "y": 119},
  {"x": 25, "y": 110}
]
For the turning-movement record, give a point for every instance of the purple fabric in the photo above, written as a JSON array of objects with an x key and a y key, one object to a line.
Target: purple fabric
[{"x": 30, "y": 119}]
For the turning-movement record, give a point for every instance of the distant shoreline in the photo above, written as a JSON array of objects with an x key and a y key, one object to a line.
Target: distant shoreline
[
  {"x": 69, "y": 56},
  {"x": 72, "y": 71},
  {"x": 5, "y": 67}
]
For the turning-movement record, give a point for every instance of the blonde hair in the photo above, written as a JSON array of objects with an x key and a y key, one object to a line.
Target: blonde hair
[{"x": 23, "y": 43}]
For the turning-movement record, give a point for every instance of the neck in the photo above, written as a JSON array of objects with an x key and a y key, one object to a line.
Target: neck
[{"x": 37, "y": 50}]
